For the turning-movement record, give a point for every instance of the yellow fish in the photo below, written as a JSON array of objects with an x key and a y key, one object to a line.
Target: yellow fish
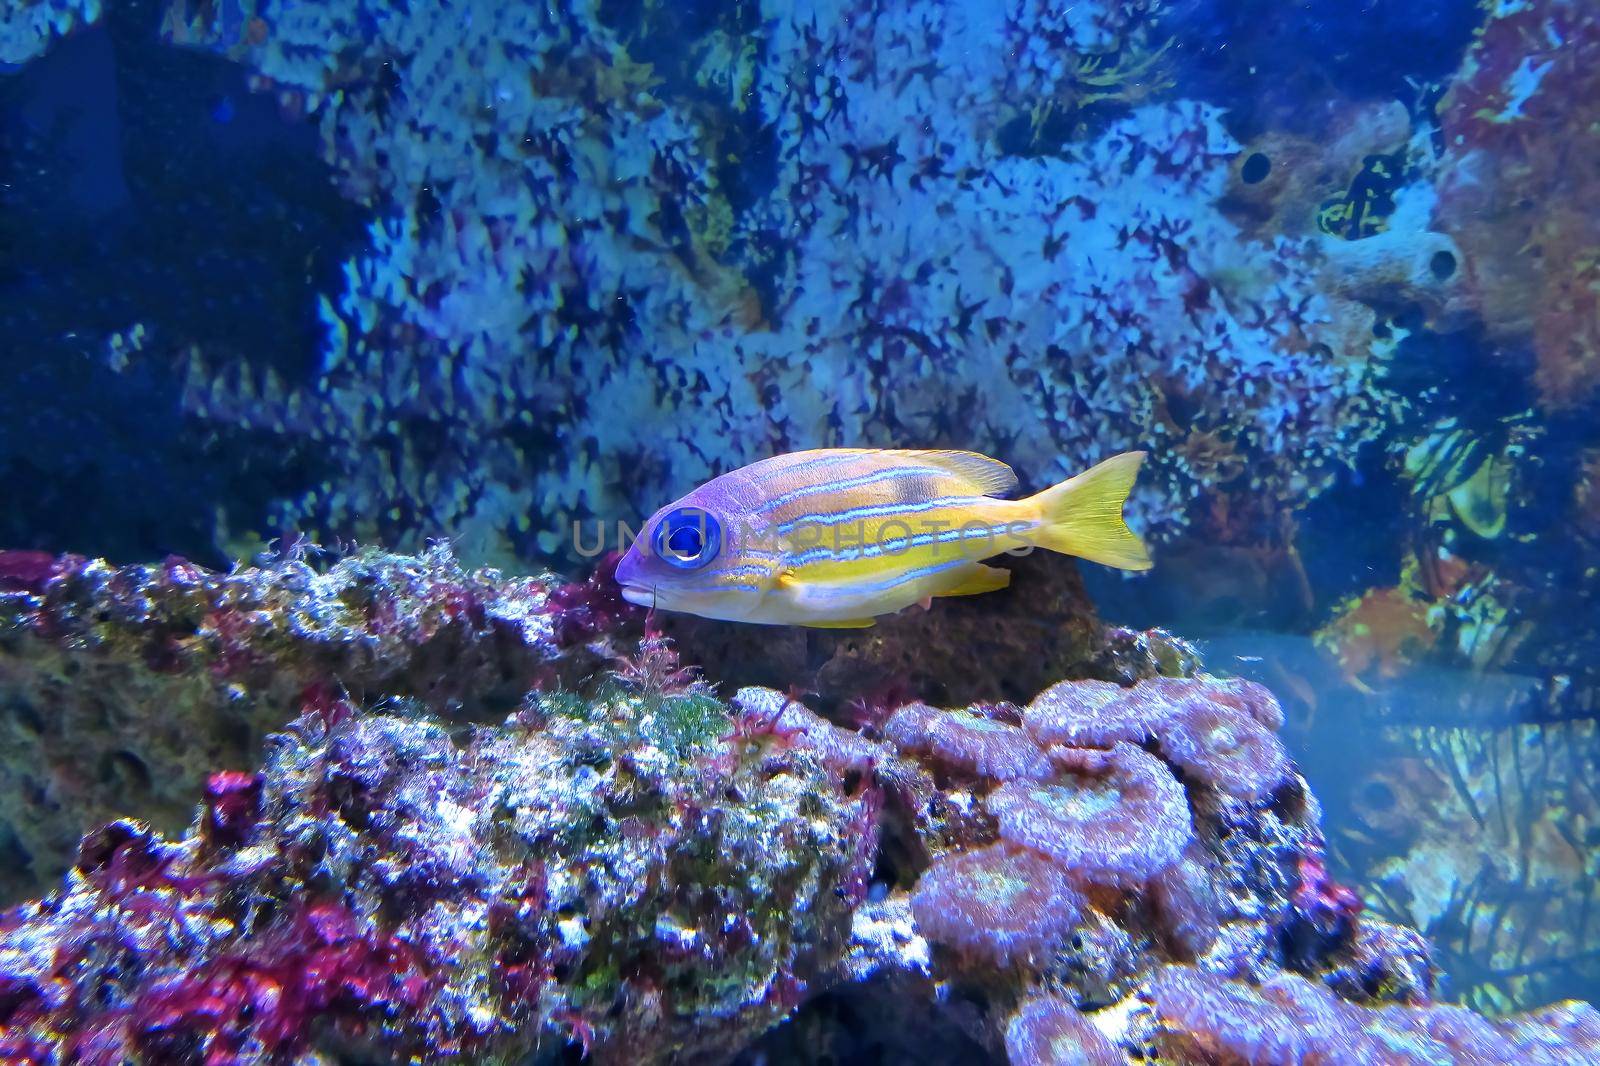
[{"x": 835, "y": 537}]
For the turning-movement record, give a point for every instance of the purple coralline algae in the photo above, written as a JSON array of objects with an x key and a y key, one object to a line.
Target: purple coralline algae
[{"x": 620, "y": 863}]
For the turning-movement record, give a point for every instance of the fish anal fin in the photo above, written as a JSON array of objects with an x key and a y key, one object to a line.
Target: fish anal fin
[
  {"x": 978, "y": 579},
  {"x": 988, "y": 477},
  {"x": 843, "y": 623}
]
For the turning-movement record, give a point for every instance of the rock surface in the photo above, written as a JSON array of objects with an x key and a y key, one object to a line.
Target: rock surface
[{"x": 614, "y": 862}]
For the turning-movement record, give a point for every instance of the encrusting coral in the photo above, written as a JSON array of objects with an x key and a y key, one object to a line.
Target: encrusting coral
[{"x": 621, "y": 862}]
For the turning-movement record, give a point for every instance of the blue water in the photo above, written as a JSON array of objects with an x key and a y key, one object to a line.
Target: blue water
[{"x": 353, "y": 273}]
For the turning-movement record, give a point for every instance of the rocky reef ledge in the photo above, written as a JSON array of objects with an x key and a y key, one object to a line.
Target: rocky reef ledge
[{"x": 453, "y": 815}]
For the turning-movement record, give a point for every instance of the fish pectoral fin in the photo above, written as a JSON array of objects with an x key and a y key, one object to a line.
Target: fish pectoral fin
[
  {"x": 978, "y": 579},
  {"x": 844, "y": 623}
]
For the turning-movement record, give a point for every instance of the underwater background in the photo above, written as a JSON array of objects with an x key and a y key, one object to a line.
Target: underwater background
[{"x": 282, "y": 281}]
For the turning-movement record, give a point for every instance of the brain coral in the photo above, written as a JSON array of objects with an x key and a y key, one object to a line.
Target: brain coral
[
  {"x": 1287, "y": 1019},
  {"x": 1049, "y": 1031},
  {"x": 999, "y": 903},
  {"x": 572, "y": 303},
  {"x": 967, "y": 743},
  {"x": 1114, "y": 817}
]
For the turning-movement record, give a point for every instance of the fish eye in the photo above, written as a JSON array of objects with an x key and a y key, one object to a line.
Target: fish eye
[{"x": 688, "y": 538}]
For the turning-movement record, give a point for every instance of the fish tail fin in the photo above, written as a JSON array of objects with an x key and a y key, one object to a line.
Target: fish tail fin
[{"x": 1082, "y": 516}]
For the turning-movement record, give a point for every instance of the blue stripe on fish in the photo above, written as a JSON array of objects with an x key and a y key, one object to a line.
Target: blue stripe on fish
[
  {"x": 820, "y": 462},
  {"x": 850, "y": 483},
  {"x": 897, "y": 545},
  {"x": 877, "y": 510}
]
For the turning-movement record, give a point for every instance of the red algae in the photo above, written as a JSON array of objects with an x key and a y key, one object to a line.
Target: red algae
[
  {"x": 998, "y": 904},
  {"x": 25, "y": 571},
  {"x": 232, "y": 806}
]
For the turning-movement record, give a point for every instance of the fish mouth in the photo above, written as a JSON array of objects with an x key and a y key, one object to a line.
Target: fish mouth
[{"x": 639, "y": 595}]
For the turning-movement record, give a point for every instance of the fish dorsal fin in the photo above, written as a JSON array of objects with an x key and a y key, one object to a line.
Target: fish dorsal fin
[{"x": 988, "y": 477}]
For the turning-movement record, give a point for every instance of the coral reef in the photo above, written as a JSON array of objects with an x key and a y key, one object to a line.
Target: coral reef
[
  {"x": 574, "y": 875},
  {"x": 522, "y": 825},
  {"x": 1205, "y": 1018},
  {"x": 121, "y": 685},
  {"x": 573, "y": 260},
  {"x": 981, "y": 217}
]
